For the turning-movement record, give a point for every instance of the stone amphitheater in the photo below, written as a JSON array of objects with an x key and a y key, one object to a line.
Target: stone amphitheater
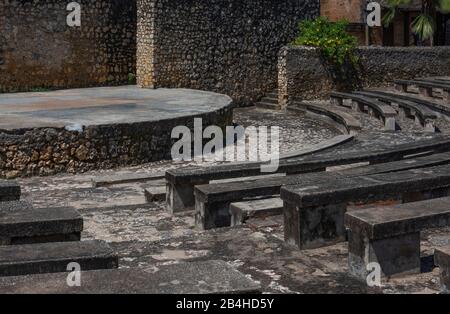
[
  {"x": 359, "y": 202},
  {"x": 363, "y": 178}
]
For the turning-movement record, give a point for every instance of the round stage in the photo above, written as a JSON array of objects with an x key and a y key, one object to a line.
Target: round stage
[{"x": 76, "y": 130}]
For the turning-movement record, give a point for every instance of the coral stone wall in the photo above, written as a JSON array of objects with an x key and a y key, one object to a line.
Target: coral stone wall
[
  {"x": 47, "y": 151},
  {"x": 226, "y": 46},
  {"x": 304, "y": 74},
  {"x": 38, "y": 49}
]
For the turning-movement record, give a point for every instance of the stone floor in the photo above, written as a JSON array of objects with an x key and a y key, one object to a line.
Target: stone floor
[
  {"x": 146, "y": 235},
  {"x": 73, "y": 108}
]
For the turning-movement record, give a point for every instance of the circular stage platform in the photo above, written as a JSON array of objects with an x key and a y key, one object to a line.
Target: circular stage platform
[{"x": 82, "y": 129}]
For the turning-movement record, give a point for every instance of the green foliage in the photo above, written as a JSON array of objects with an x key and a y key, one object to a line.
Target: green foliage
[
  {"x": 423, "y": 25},
  {"x": 131, "y": 79},
  {"x": 331, "y": 38}
]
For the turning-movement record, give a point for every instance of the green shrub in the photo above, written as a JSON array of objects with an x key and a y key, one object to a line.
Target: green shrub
[
  {"x": 131, "y": 79},
  {"x": 330, "y": 37}
]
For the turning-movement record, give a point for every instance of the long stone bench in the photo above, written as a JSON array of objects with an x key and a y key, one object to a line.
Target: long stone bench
[
  {"x": 21, "y": 224},
  {"x": 442, "y": 259},
  {"x": 421, "y": 114},
  {"x": 314, "y": 212},
  {"x": 180, "y": 182},
  {"x": 376, "y": 108},
  {"x": 425, "y": 87},
  {"x": 209, "y": 277},
  {"x": 17, "y": 260},
  {"x": 213, "y": 201},
  {"x": 435, "y": 106},
  {"x": 390, "y": 235},
  {"x": 9, "y": 191},
  {"x": 342, "y": 120}
]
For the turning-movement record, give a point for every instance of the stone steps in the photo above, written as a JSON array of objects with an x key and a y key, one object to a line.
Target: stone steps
[
  {"x": 155, "y": 194},
  {"x": 210, "y": 277},
  {"x": 125, "y": 178},
  {"x": 270, "y": 101},
  {"x": 20, "y": 224},
  {"x": 242, "y": 211},
  {"x": 17, "y": 260}
]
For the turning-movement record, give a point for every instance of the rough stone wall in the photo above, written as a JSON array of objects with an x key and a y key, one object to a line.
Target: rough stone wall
[
  {"x": 38, "y": 49},
  {"x": 303, "y": 73},
  {"x": 47, "y": 151},
  {"x": 226, "y": 46}
]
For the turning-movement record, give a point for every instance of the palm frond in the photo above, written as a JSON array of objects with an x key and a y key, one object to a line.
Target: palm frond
[{"x": 423, "y": 26}]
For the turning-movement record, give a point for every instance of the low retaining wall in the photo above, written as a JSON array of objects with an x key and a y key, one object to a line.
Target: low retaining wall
[
  {"x": 304, "y": 73},
  {"x": 47, "y": 151}
]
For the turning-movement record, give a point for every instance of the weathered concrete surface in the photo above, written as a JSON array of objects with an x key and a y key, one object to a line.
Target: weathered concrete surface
[
  {"x": 148, "y": 236},
  {"x": 77, "y": 108},
  {"x": 16, "y": 260},
  {"x": 241, "y": 211},
  {"x": 20, "y": 224},
  {"x": 208, "y": 277}
]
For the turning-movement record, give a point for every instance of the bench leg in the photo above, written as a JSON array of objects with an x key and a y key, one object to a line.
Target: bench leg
[
  {"x": 429, "y": 126},
  {"x": 447, "y": 96},
  {"x": 313, "y": 227},
  {"x": 396, "y": 255},
  {"x": 212, "y": 215},
  {"x": 401, "y": 87},
  {"x": 426, "y": 91},
  {"x": 179, "y": 197},
  {"x": 336, "y": 101},
  {"x": 444, "y": 270},
  {"x": 389, "y": 124}
]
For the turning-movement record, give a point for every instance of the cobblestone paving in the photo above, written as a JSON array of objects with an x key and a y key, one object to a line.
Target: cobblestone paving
[{"x": 146, "y": 235}]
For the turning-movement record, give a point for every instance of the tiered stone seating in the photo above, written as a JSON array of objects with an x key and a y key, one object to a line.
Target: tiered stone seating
[
  {"x": 40, "y": 240},
  {"x": 390, "y": 235},
  {"x": 374, "y": 107},
  {"x": 314, "y": 212},
  {"x": 213, "y": 200},
  {"x": 420, "y": 113},
  {"x": 425, "y": 87},
  {"x": 181, "y": 181}
]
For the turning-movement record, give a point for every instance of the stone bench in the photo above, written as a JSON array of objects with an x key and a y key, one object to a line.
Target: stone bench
[
  {"x": 314, "y": 212},
  {"x": 340, "y": 119},
  {"x": 17, "y": 260},
  {"x": 9, "y": 191},
  {"x": 442, "y": 259},
  {"x": 434, "y": 106},
  {"x": 425, "y": 87},
  {"x": 422, "y": 114},
  {"x": 203, "y": 277},
  {"x": 213, "y": 201},
  {"x": 180, "y": 182},
  {"x": 242, "y": 211},
  {"x": 21, "y": 224},
  {"x": 390, "y": 235},
  {"x": 376, "y": 108}
]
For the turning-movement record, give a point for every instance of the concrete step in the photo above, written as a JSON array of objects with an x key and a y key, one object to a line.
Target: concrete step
[
  {"x": 207, "y": 277},
  {"x": 21, "y": 224},
  {"x": 266, "y": 105},
  {"x": 155, "y": 194},
  {"x": 9, "y": 191},
  {"x": 126, "y": 178},
  {"x": 273, "y": 94},
  {"x": 17, "y": 260},
  {"x": 242, "y": 211},
  {"x": 270, "y": 100}
]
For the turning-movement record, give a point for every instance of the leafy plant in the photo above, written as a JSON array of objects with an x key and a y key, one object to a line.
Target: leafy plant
[
  {"x": 131, "y": 78},
  {"x": 331, "y": 38},
  {"x": 423, "y": 25}
]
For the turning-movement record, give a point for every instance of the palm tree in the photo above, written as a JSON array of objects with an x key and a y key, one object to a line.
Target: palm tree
[{"x": 423, "y": 25}]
